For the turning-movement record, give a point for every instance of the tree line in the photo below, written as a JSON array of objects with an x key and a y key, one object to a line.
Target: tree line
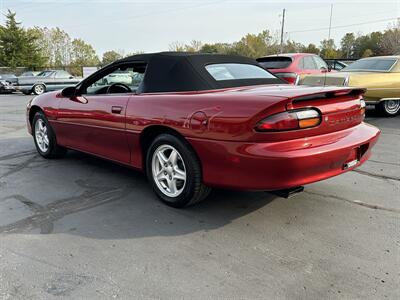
[
  {"x": 37, "y": 48},
  {"x": 352, "y": 45}
]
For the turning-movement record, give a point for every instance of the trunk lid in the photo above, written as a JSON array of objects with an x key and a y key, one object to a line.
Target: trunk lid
[{"x": 339, "y": 107}]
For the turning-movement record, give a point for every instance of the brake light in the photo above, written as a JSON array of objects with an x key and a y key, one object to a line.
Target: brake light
[
  {"x": 290, "y": 120},
  {"x": 291, "y": 78}
]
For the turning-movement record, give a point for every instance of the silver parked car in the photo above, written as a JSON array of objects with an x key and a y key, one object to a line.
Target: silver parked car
[{"x": 50, "y": 80}]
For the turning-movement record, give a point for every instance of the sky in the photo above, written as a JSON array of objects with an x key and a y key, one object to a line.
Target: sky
[{"x": 150, "y": 26}]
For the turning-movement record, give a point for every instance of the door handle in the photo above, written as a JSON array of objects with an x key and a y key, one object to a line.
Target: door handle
[{"x": 116, "y": 109}]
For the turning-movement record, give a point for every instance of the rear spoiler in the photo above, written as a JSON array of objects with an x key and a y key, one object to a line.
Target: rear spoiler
[{"x": 331, "y": 94}]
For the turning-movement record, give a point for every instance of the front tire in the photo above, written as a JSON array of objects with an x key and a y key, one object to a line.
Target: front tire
[
  {"x": 39, "y": 89},
  {"x": 45, "y": 139},
  {"x": 389, "y": 108},
  {"x": 175, "y": 172}
]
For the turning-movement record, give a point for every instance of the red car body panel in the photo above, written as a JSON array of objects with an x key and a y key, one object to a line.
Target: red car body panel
[{"x": 219, "y": 125}]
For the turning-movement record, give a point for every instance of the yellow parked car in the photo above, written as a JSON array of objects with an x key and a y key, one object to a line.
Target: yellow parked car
[{"x": 379, "y": 75}]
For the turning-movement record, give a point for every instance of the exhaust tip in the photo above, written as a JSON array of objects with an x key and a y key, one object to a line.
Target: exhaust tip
[{"x": 286, "y": 193}]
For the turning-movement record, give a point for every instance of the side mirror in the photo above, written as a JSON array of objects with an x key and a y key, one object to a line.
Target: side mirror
[
  {"x": 71, "y": 77},
  {"x": 69, "y": 92}
]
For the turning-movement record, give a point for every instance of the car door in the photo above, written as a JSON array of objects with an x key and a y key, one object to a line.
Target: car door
[
  {"x": 95, "y": 124},
  {"x": 95, "y": 121}
]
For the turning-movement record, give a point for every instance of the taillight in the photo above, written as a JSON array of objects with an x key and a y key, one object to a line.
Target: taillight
[
  {"x": 291, "y": 78},
  {"x": 290, "y": 120},
  {"x": 362, "y": 108}
]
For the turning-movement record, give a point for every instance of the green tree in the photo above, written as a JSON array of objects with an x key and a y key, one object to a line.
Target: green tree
[
  {"x": 367, "y": 53},
  {"x": 209, "y": 48},
  {"x": 110, "y": 56},
  {"x": 371, "y": 41},
  {"x": 17, "y": 45},
  {"x": 83, "y": 54},
  {"x": 255, "y": 45},
  {"x": 293, "y": 47},
  {"x": 328, "y": 49},
  {"x": 347, "y": 44},
  {"x": 311, "y": 48}
]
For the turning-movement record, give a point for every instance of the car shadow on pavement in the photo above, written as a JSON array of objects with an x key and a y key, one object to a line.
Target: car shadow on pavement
[{"x": 87, "y": 196}]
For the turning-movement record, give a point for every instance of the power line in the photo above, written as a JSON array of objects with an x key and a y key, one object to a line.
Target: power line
[
  {"x": 344, "y": 26},
  {"x": 134, "y": 17}
]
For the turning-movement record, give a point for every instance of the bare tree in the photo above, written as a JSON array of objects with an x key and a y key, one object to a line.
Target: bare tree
[{"x": 391, "y": 40}]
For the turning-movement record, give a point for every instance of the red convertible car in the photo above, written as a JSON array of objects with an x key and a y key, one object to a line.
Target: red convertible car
[{"x": 196, "y": 121}]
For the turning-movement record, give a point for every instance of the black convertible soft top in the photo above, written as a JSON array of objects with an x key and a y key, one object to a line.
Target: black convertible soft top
[{"x": 185, "y": 71}]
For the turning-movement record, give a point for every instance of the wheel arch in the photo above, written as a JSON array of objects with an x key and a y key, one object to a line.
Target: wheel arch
[{"x": 32, "y": 112}]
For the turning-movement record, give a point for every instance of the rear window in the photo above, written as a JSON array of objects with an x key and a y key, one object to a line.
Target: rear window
[
  {"x": 370, "y": 65},
  {"x": 275, "y": 62},
  {"x": 232, "y": 71}
]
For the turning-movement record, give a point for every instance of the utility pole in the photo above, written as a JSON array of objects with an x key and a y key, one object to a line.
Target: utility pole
[
  {"x": 330, "y": 23},
  {"x": 283, "y": 27}
]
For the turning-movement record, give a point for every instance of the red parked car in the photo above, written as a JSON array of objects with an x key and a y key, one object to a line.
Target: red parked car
[
  {"x": 196, "y": 121},
  {"x": 292, "y": 67}
]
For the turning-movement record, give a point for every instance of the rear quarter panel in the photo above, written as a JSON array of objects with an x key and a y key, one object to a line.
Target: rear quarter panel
[
  {"x": 200, "y": 116},
  {"x": 228, "y": 116}
]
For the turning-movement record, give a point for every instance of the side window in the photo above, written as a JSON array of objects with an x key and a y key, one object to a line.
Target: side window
[
  {"x": 62, "y": 75},
  {"x": 301, "y": 64},
  {"x": 308, "y": 63},
  {"x": 320, "y": 63},
  {"x": 122, "y": 79}
]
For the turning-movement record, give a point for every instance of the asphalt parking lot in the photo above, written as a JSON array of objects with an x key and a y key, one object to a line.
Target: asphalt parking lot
[{"x": 81, "y": 228}]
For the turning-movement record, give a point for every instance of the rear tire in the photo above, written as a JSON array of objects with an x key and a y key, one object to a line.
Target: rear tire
[
  {"x": 175, "y": 172},
  {"x": 45, "y": 139},
  {"x": 39, "y": 89},
  {"x": 389, "y": 108}
]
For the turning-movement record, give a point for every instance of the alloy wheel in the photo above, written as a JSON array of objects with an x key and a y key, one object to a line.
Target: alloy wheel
[
  {"x": 42, "y": 138},
  {"x": 39, "y": 89},
  {"x": 168, "y": 170}
]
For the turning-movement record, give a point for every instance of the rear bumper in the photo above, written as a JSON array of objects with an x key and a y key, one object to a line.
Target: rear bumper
[{"x": 281, "y": 165}]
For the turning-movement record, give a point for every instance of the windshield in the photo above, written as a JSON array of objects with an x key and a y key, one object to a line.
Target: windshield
[
  {"x": 275, "y": 62},
  {"x": 233, "y": 71},
  {"x": 369, "y": 64},
  {"x": 45, "y": 73}
]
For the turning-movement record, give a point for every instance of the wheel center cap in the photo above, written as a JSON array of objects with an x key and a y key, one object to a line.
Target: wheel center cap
[{"x": 169, "y": 170}]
